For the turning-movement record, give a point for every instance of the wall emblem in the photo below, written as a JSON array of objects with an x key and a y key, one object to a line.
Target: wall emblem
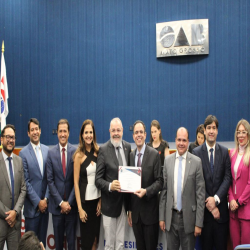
[{"x": 182, "y": 38}]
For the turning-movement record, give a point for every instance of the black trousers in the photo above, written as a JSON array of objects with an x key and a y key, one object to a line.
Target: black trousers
[
  {"x": 214, "y": 234},
  {"x": 146, "y": 235}
]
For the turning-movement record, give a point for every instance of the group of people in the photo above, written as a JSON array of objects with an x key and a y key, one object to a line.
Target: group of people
[{"x": 195, "y": 187}]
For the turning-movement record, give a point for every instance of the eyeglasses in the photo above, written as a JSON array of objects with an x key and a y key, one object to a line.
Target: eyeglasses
[
  {"x": 116, "y": 130},
  {"x": 241, "y": 132},
  {"x": 9, "y": 137}
]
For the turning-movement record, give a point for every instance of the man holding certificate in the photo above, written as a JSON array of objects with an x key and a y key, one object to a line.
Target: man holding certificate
[
  {"x": 112, "y": 154},
  {"x": 144, "y": 208}
]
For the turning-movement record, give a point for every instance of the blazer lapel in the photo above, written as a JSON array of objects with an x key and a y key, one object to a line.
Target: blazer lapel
[
  {"x": 239, "y": 168},
  {"x": 113, "y": 154},
  {"x": 58, "y": 156},
  {"x": 126, "y": 153},
  {"x": 132, "y": 158},
  {"x": 16, "y": 174},
  {"x": 68, "y": 158},
  {"x": 44, "y": 162},
  {"x": 187, "y": 168},
  {"x": 206, "y": 161},
  {"x": 4, "y": 171},
  {"x": 33, "y": 156},
  {"x": 145, "y": 156},
  {"x": 172, "y": 166}
]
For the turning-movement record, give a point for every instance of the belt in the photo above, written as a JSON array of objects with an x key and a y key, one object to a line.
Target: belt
[{"x": 177, "y": 211}]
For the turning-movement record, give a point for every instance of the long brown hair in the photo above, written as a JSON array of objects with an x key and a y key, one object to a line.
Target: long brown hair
[
  {"x": 200, "y": 129},
  {"x": 81, "y": 148},
  {"x": 156, "y": 124},
  {"x": 247, "y": 149}
]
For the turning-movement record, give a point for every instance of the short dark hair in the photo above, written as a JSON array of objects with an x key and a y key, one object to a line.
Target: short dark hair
[
  {"x": 29, "y": 241},
  {"x": 8, "y": 126},
  {"x": 63, "y": 121},
  {"x": 210, "y": 119},
  {"x": 34, "y": 120},
  {"x": 180, "y": 128},
  {"x": 139, "y": 121}
]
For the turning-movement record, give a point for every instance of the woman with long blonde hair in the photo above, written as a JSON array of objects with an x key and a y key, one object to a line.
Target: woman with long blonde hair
[{"x": 239, "y": 191}]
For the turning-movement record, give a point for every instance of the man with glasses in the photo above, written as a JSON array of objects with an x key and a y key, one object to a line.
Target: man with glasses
[
  {"x": 13, "y": 190},
  {"x": 34, "y": 157},
  {"x": 113, "y": 154},
  {"x": 217, "y": 174}
]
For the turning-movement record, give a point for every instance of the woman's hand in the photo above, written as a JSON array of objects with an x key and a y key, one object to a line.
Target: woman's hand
[
  {"x": 83, "y": 215},
  {"x": 233, "y": 205},
  {"x": 98, "y": 208}
]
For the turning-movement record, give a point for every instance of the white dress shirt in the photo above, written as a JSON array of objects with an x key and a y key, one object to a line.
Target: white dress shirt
[
  {"x": 176, "y": 170},
  {"x": 216, "y": 197},
  {"x": 7, "y": 165}
]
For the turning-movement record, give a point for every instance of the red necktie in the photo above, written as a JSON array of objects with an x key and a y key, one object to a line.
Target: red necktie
[{"x": 63, "y": 161}]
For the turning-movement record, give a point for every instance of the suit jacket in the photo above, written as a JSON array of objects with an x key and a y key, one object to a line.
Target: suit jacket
[
  {"x": 147, "y": 207},
  {"x": 106, "y": 172},
  {"x": 36, "y": 183},
  {"x": 219, "y": 182},
  {"x": 6, "y": 194},
  {"x": 242, "y": 183},
  {"x": 193, "y": 193},
  {"x": 60, "y": 187}
]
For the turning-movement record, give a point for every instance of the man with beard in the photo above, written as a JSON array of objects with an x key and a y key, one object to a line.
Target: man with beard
[
  {"x": 34, "y": 157},
  {"x": 113, "y": 154},
  {"x": 13, "y": 190}
]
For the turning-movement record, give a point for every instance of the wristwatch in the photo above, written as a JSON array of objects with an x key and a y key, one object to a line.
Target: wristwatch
[{"x": 238, "y": 203}]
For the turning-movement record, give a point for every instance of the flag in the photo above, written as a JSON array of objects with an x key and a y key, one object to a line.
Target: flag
[{"x": 4, "y": 92}]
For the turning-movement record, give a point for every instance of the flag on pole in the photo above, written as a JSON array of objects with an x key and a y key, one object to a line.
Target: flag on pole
[{"x": 4, "y": 91}]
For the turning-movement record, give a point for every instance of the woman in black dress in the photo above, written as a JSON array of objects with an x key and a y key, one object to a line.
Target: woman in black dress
[
  {"x": 157, "y": 142},
  {"x": 200, "y": 138},
  {"x": 87, "y": 195}
]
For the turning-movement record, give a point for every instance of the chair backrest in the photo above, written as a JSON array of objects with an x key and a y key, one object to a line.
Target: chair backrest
[{"x": 242, "y": 247}]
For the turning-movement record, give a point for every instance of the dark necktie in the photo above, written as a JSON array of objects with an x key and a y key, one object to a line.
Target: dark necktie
[
  {"x": 119, "y": 156},
  {"x": 212, "y": 160},
  {"x": 63, "y": 161},
  {"x": 139, "y": 160},
  {"x": 12, "y": 181}
]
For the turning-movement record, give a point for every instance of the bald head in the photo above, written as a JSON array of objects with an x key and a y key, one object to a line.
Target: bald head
[{"x": 181, "y": 140}]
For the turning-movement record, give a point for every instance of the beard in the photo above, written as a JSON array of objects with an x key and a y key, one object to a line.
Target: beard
[
  {"x": 8, "y": 151},
  {"x": 116, "y": 143}
]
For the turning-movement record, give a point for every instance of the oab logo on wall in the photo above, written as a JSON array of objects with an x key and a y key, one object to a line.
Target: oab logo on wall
[{"x": 182, "y": 38}]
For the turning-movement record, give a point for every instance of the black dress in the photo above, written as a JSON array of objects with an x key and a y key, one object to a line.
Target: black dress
[
  {"x": 161, "y": 150},
  {"x": 89, "y": 197},
  {"x": 192, "y": 145}
]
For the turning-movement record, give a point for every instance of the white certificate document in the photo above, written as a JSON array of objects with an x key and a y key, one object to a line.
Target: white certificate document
[{"x": 130, "y": 178}]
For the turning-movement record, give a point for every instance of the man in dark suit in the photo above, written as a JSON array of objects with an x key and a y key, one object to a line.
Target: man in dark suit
[
  {"x": 34, "y": 157},
  {"x": 144, "y": 214},
  {"x": 182, "y": 200},
  {"x": 113, "y": 154},
  {"x": 60, "y": 177},
  {"x": 217, "y": 174},
  {"x": 13, "y": 190}
]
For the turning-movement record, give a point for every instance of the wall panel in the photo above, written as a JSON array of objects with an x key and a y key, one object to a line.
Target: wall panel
[{"x": 96, "y": 59}]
